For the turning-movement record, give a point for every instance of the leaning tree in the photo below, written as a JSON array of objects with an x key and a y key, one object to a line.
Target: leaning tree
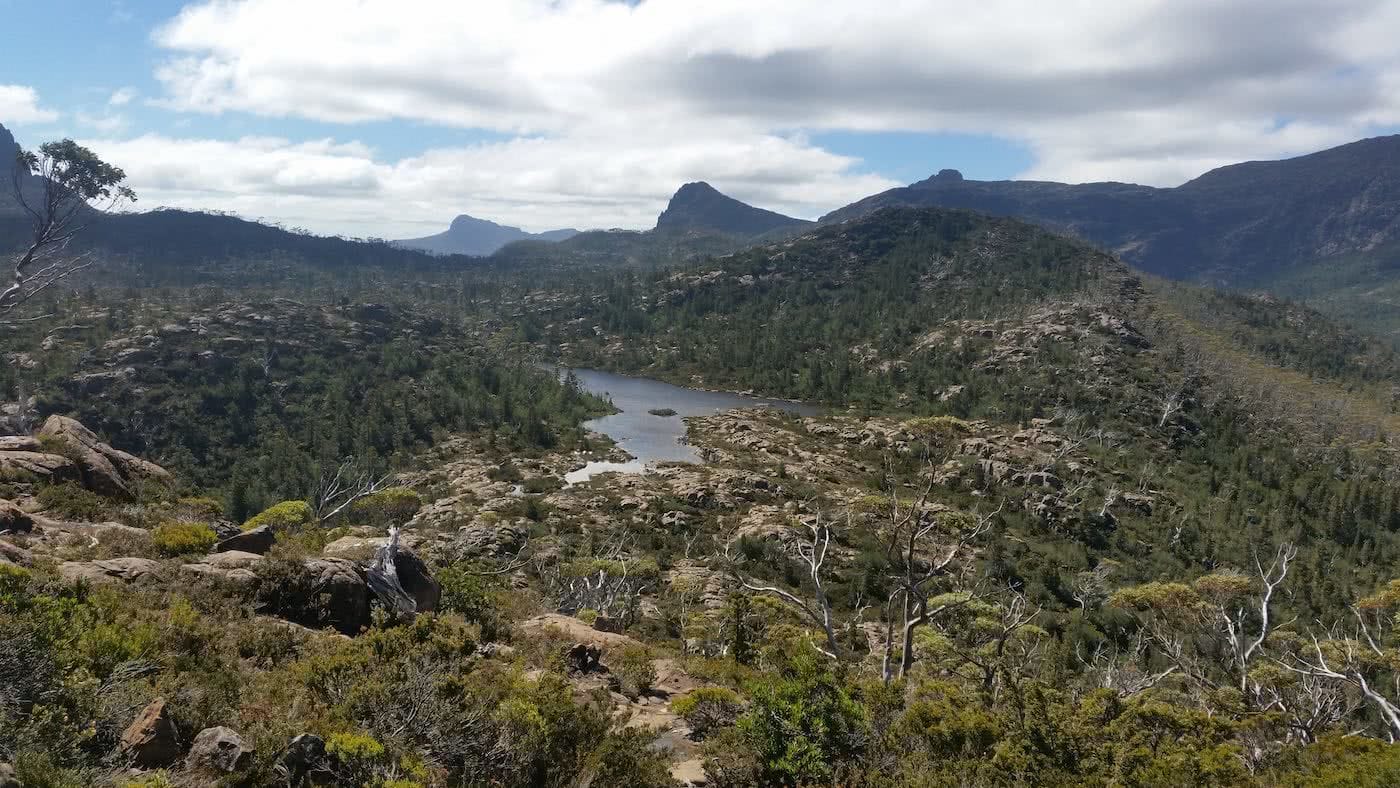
[{"x": 62, "y": 188}]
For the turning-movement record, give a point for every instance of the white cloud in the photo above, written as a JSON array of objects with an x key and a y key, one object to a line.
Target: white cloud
[
  {"x": 20, "y": 104},
  {"x": 1186, "y": 82},
  {"x": 535, "y": 182},
  {"x": 121, "y": 97},
  {"x": 104, "y": 123},
  {"x": 609, "y": 105}
]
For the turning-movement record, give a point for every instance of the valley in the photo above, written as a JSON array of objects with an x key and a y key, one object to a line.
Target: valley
[{"x": 913, "y": 495}]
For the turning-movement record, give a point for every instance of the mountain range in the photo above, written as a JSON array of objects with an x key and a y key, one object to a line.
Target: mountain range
[
  {"x": 1240, "y": 225},
  {"x": 478, "y": 237},
  {"x": 1323, "y": 227}
]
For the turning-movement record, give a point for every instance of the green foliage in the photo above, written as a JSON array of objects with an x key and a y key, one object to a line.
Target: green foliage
[
  {"x": 201, "y": 506},
  {"x": 627, "y": 758},
  {"x": 181, "y": 538},
  {"x": 71, "y": 501},
  {"x": 287, "y": 515},
  {"x": 802, "y": 724},
  {"x": 472, "y": 596},
  {"x": 392, "y": 506},
  {"x": 708, "y": 708},
  {"x": 634, "y": 668}
]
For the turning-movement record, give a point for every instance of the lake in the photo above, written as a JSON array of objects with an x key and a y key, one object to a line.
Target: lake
[{"x": 650, "y": 438}]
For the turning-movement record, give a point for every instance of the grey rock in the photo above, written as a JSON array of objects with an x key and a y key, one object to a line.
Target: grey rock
[
  {"x": 258, "y": 541},
  {"x": 14, "y": 519},
  {"x": 219, "y": 749},
  {"x": 131, "y": 571}
]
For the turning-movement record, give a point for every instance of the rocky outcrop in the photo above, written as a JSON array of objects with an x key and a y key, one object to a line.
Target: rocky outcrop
[
  {"x": 8, "y": 778},
  {"x": 130, "y": 571},
  {"x": 14, "y": 519},
  {"x": 303, "y": 758},
  {"x": 15, "y": 554},
  {"x": 489, "y": 540},
  {"x": 105, "y": 470},
  {"x": 417, "y": 579},
  {"x": 151, "y": 741},
  {"x": 257, "y": 541},
  {"x": 573, "y": 629},
  {"x": 343, "y": 596},
  {"x": 40, "y": 466},
  {"x": 232, "y": 567},
  {"x": 219, "y": 749}
]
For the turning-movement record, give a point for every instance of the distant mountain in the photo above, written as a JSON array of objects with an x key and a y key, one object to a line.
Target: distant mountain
[
  {"x": 700, "y": 206},
  {"x": 478, "y": 237},
  {"x": 1244, "y": 224}
]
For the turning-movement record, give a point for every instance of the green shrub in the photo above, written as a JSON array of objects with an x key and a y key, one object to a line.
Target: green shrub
[
  {"x": 202, "y": 506},
  {"x": 71, "y": 501},
  {"x": 358, "y": 757},
  {"x": 635, "y": 671},
  {"x": 288, "y": 514},
  {"x": 472, "y": 597},
  {"x": 172, "y": 539},
  {"x": 394, "y": 506},
  {"x": 708, "y": 708},
  {"x": 543, "y": 484},
  {"x": 627, "y": 757},
  {"x": 14, "y": 586}
]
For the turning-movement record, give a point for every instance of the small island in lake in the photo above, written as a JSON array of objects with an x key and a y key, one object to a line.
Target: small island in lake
[{"x": 662, "y": 412}]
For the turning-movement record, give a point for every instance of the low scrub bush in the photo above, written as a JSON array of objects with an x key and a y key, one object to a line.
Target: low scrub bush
[
  {"x": 285, "y": 515},
  {"x": 172, "y": 539},
  {"x": 394, "y": 506},
  {"x": 72, "y": 502}
]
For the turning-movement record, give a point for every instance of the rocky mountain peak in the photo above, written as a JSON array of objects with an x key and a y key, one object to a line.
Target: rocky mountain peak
[{"x": 700, "y": 206}]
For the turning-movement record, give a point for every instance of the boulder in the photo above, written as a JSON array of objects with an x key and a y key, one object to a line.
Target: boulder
[
  {"x": 14, "y": 519},
  {"x": 15, "y": 554},
  {"x": 105, "y": 470},
  {"x": 343, "y": 594},
  {"x": 219, "y": 749},
  {"x": 20, "y": 443},
  {"x": 559, "y": 625},
  {"x": 131, "y": 571},
  {"x": 489, "y": 540},
  {"x": 304, "y": 755},
  {"x": 417, "y": 580},
  {"x": 8, "y": 778},
  {"x": 47, "y": 468},
  {"x": 151, "y": 740},
  {"x": 225, "y": 529},
  {"x": 233, "y": 567},
  {"x": 258, "y": 541}
]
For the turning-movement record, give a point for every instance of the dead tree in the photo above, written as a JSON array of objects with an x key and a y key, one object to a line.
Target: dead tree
[
  {"x": 609, "y": 582},
  {"x": 812, "y": 552},
  {"x": 337, "y": 492},
  {"x": 61, "y": 189},
  {"x": 924, "y": 547},
  {"x": 1347, "y": 658},
  {"x": 1245, "y": 644}
]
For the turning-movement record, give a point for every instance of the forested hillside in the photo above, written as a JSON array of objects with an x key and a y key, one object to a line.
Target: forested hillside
[
  {"x": 1321, "y": 227},
  {"x": 1057, "y": 524}
]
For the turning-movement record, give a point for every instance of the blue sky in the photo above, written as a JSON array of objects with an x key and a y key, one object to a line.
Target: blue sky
[{"x": 388, "y": 117}]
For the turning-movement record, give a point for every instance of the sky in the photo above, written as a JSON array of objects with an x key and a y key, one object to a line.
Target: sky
[{"x": 386, "y": 118}]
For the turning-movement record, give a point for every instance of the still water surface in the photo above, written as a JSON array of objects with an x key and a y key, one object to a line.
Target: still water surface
[{"x": 649, "y": 438}]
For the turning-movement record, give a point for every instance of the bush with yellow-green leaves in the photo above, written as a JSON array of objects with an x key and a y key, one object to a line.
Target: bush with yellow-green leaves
[
  {"x": 285, "y": 515},
  {"x": 176, "y": 538},
  {"x": 392, "y": 506}
]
